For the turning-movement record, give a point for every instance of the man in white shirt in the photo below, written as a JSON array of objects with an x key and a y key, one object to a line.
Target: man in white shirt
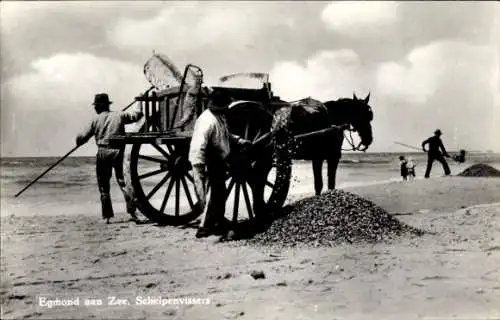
[{"x": 210, "y": 146}]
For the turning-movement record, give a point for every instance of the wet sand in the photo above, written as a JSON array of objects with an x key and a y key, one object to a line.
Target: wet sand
[{"x": 454, "y": 271}]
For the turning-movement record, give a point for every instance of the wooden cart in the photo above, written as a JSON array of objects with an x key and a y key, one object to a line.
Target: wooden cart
[{"x": 158, "y": 171}]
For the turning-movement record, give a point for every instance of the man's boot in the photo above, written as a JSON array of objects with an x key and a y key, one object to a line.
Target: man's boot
[{"x": 203, "y": 232}]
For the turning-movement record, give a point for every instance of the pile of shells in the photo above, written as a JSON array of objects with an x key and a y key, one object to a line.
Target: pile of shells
[
  {"x": 330, "y": 219},
  {"x": 480, "y": 170}
]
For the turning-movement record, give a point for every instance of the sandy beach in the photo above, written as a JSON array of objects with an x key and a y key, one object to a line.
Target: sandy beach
[
  {"x": 252, "y": 86},
  {"x": 451, "y": 272}
]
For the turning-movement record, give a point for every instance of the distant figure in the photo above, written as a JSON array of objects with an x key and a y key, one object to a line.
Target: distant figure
[
  {"x": 460, "y": 158},
  {"x": 436, "y": 152},
  {"x": 410, "y": 166},
  {"x": 402, "y": 165},
  {"x": 104, "y": 125}
]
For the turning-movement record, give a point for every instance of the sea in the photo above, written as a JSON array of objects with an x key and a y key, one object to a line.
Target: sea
[{"x": 71, "y": 187}]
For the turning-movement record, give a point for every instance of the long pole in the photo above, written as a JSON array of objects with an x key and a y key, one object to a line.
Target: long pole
[
  {"x": 407, "y": 145},
  {"x": 50, "y": 168},
  {"x": 300, "y": 136},
  {"x": 67, "y": 154}
]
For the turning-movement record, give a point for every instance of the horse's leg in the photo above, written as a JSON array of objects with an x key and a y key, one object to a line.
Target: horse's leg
[
  {"x": 318, "y": 175},
  {"x": 333, "y": 162}
]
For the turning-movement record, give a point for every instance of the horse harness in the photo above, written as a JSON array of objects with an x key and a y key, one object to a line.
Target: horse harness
[
  {"x": 351, "y": 129},
  {"x": 350, "y": 138}
]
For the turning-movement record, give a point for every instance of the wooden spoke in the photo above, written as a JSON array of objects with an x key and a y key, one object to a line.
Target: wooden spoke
[
  {"x": 154, "y": 178},
  {"x": 158, "y": 186},
  {"x": 186, "y": 191},
  {"x": 160, "y": 150},
  {"x": 247, "y": 200},
  {"x": 169, "y": 147},
  {"x": 229, "y": 188},
  {"x": 236, "y": 202},
  {"x": 152, "y": 159},
  {"x": 257, "y": 135},
  {"x": 190, "y": 177},
  {"x": 247, "y": 127},
  {"x": 177, "y": 196},
  {"x": 167, "y": 195},
  {"x": 152, "y": 173}
]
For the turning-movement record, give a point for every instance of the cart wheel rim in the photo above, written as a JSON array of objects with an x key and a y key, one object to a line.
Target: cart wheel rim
[
  {"x": 162, "y": 181},
  {"x": 254, "y": 187}
]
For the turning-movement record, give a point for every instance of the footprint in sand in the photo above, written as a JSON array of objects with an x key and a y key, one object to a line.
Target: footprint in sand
[
  {"x": 17, "y": 297},
  {"x": 170, "y": 313},
  {"x": 494, "y": 248},
  {"x": 151, "y": 285},
  {"x": 435, "y": 278}
]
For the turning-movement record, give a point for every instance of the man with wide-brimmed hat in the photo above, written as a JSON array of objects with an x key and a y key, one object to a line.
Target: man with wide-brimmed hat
[
  {"x": 210, "y": 145},
  {"x": 104, "y": 125},
  {"x": 434, "y": 153}
]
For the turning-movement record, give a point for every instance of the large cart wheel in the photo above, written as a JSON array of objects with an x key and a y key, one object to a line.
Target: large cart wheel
[
  {"x": 162, "y": 182},
  {"x": 259, "y": 178}
]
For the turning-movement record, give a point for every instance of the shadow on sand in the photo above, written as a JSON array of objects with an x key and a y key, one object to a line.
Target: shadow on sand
[
  {"x": 247, "y": 229},
  {"x": 241, "y": 230}
]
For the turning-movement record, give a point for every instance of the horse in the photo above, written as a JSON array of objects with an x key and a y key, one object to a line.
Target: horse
[{"x": 308, "y": 115}]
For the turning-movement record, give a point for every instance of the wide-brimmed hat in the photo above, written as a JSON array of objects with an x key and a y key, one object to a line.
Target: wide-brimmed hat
[
  {"x": 218, "y": 101},
  {"x": 102, "y": 98}
]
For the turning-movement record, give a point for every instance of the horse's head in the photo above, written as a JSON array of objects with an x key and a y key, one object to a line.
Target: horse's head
[{"x": 360, "y": 116}]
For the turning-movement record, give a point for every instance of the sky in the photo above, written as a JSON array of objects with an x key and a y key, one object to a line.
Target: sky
[{"x": 427, "y": 65}]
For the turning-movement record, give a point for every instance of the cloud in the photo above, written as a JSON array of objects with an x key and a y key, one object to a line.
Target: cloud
[
  {"x": 73, "y": 78},
  {"x": 326, "y": 75},
  {"x": 445, "y": 84},
  {"x": 44, "y": 109},
  {"x": 401, "y": 52},
  {"x": 444, "y": 66},
  {"x": 185, "y": 27},
  {"x": 449, "y": 84},
  {"x": 359, "y": 18},
  {"x": 333, "y": 74}
]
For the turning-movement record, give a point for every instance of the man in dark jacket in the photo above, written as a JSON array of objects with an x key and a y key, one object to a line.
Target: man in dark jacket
[
  {"x": 436, "y": 152},
  {"x": 104, "y": 125}
]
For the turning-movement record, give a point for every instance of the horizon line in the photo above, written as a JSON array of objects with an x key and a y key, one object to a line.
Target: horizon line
[{"x": 345, "y": 152}]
